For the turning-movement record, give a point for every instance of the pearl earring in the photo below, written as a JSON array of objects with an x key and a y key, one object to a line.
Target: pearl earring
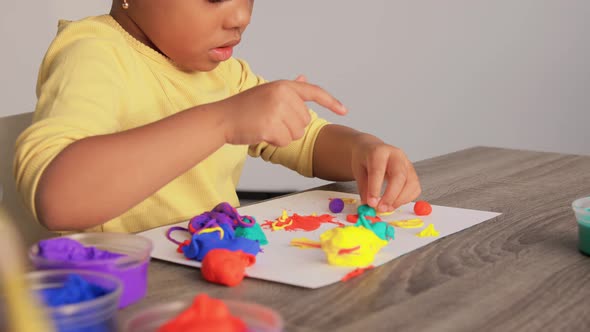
[{"x": 125, "y": 5}]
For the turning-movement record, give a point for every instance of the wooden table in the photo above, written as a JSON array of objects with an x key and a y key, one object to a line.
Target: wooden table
[{"x": 520, "y": 271}]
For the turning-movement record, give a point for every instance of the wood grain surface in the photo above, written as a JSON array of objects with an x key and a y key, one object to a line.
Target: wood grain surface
[{"x": 520, "y": 271}]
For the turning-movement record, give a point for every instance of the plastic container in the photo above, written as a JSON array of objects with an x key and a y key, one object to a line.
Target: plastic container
[
  {"x": 581, "y": 208},
  {"x": 258, "y": 318},
  {"x": 131, "y": 269},
  {"x": 96, "y": 315}
]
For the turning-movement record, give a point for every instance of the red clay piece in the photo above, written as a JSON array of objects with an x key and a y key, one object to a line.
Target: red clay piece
[
  {"x": 225, "y": 267},
  {"x": 353, "y": 218},
  {"x": 422, "y": 208},
  {"x": 206, "y": 314}
]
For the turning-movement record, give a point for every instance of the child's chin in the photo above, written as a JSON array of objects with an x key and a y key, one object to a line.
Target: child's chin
[{"x": 201, "y": 67}]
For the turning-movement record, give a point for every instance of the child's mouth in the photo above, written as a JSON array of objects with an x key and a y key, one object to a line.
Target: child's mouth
[{"x": 222, "y": 53}]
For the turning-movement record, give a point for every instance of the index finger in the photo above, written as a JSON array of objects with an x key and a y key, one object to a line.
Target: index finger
[{"x": 312, "y": 92}]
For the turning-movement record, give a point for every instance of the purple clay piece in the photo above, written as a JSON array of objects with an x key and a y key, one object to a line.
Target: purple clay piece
[
  {"x": 66, "y": 253},
  {"x": 66, "y": 249},
  {"x": 336, "y": 205}
]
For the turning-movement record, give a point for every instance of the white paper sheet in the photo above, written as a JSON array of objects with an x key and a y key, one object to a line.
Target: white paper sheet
[{"x": 281, "y": 262}]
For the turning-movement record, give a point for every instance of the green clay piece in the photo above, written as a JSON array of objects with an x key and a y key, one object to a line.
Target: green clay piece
[
  {"x": 382, "y": 229},
  {"x": 253, "y": 233},
  {"x": 584, "y": 238}
]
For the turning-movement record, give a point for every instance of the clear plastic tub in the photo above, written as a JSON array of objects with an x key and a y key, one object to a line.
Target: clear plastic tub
[
  {"x": 258, "y": 318},
  {"x": 131, "y": 269},
  {"x": 96, "y": 315},
  {"x": 581, "y": 209}
]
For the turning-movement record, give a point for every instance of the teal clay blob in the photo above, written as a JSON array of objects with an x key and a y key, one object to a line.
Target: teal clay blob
[
  {"x": 584, "y": 237},
  {"x": 382, "y": 229},
  {"x": 581, "y": 208},
  {"x": 253, "y": 233}
]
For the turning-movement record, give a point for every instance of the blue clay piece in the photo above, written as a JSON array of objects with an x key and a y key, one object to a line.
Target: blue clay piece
[
  {"x": 74, "y": 290},
  {"x": 201, "y": 244},
  {"x": 336, "y": 205}
]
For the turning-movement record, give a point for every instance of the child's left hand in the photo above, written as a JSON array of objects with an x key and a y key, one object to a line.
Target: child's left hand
[{"x": 374, "y": 162}]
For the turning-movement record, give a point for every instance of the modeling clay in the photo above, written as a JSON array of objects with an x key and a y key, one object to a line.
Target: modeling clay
[
  {"x": 201, "y": 244},
  {"x": 346, "y": 200},
  {"x": 297, "y": 222},
  {"x": 336, "y": 205},
  {"x": 350, "y": 246},
  {"x": 226, "y": 267},
  {"x": 305, "y": 243},
  {"x": 422, "y": 208},
  {"x": 356, "y": 272},
  {"x": 383, "y": 230},
  {"x": 223, "y": 213},
  {"x": 205, "y": 315},
  {"x": 211, "y": 230},
  {"x": 429, "y": 231},
  {"x": 408, "y": 223},
  {"x": 74, "y": 290},
  {"x": 385, "y": 213},
  {"x": 223, "y": 228},
  {"x": 353, "y": 218},
  {"x": 284, "y": 216},
  {"x": 253, "y": 233},
  {"x": 68, "y": 253},
  {"x": 66, "y": 249}
]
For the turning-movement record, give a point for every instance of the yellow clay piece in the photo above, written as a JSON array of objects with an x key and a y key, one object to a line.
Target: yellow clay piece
[
  {"x": 305, "y": 243},
  {"x": 408, "y": 223},
  {"x": 284, "y": 216},
  {"x": 211, "y": 230},
  {"x": 347, "y": 200},
  {"x": 276, "y": 228},
  {"x": 351, "y": 246},
  {"x": 385, "y": 213},
  {"x": 428, "y": 231}
]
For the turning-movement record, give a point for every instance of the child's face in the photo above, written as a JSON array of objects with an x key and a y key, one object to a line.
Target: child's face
[{"x": 195, "y": 34}]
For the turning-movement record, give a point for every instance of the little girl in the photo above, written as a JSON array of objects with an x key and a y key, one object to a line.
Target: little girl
[{"x": 144, "y": 118}]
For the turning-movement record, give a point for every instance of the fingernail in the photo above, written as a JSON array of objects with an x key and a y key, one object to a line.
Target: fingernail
[
  {"x": 373, "y": 201},
  {"x": 343, "y": 108}
]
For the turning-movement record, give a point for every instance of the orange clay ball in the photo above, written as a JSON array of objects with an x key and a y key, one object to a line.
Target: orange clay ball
[
  {"x": 422, "y": 208},
  {"x": 225, "y": 267}
]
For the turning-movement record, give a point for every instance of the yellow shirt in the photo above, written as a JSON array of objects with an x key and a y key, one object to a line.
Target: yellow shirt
[{"x": 97, "y": 79}]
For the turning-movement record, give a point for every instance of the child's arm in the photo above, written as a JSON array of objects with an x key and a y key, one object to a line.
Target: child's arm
[
  {"x": 101, "y": 177},
  {"x": 343, "y": 154}
]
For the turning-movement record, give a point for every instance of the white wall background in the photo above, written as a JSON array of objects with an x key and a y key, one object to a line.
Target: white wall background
[{"x": 429, "y": 76}]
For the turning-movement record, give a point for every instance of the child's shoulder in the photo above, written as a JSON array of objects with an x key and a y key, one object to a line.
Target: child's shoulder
[
  {"x": 95, "y": 35},
  {"x": 94, "y": 27}
]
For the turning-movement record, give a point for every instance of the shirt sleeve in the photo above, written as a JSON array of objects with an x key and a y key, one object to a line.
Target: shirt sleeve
[
  {"x": 78, "y": 91},
  {"x": 298, "y": 155}
]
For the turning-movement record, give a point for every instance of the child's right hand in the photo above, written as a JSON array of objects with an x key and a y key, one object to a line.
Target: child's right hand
[{"x": 273, "y": 112}]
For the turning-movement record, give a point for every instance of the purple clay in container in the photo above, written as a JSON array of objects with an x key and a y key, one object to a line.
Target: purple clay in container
[
  {"x": 125, "y": 256},
  {"x": 336, "y": 205}
]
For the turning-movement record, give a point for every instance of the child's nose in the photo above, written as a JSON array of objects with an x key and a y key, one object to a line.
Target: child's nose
[{"x": 241, "y": 14}]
